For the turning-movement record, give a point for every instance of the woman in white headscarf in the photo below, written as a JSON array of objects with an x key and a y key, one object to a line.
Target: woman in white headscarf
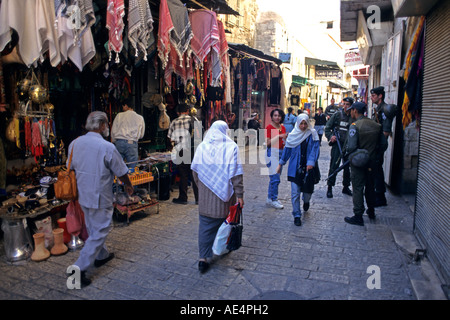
[
  {"x": 218, "y": 173},
  {"x": 302, "y": 150}
]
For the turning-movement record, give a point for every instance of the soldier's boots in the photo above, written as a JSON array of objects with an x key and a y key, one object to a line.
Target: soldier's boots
[
  {"x": 356, "y": 220},
  {"x": 380, "y": 200},
  {"x": 371, "y": 213},
  {"x": 347, "y": 191},
  {"x": 330, "y": 192}
]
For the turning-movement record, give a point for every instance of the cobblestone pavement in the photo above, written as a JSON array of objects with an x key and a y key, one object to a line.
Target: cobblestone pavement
[{"x": 156, "y": 254}]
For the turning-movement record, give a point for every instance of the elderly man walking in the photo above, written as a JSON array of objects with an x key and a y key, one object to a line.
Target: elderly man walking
[{"x": 96, "y": 162}]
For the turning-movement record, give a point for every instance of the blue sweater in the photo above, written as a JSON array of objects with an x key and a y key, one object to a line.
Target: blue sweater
[
  {"x": 289, "y": 122},
  {"x": 293, "y": 155}
]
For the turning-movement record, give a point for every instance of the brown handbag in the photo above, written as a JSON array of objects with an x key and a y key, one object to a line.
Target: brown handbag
[{"x": 66, "y": 186}]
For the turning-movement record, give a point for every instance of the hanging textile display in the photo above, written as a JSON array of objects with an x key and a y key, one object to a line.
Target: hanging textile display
[
  {"x": 115, "y": 12},
  {"x": 165, "y": 26},
  {"x": 175, "y": 45},
  {"x": 206, "y": 34},
  {"x": 140, "y": 26},
  {"x": 413, "y": 70}
]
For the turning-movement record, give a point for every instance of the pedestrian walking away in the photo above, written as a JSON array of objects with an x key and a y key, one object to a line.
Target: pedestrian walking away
[
  {"x": 289, "y": 120},
  {"x": 302, "y": 150},
  {"x": 275, "y": 140},
  {"x": 336, "y": 131},
  {"x": 128, "y": 127},
  {"x": 96, "y": 162},
  {"x": 218, "y": 172},
  {"x": 383, "y": 114},
  {"x": 366, "y": 144},
  {"x": 180, "y": 133},
  {"x": 320, "y": 121}
]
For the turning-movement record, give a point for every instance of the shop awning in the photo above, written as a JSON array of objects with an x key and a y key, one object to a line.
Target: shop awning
[
  {"x": 298, "y": 81},
  {"x": 219, "y": 6},
  {"x": 337, "y": 84},
  {"x": 253, "y": 53},
  {"x": 318, "y": 62}
]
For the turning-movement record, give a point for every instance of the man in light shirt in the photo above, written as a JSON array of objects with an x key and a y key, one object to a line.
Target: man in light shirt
[
  {"x": 96, "y": 162},
  {"x": 128, "y": 127}
]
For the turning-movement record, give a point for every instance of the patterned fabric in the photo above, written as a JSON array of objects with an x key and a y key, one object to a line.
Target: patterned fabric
[
  {"x": 140, "y": 25},
  {"x": 217, "y": 161},
  {"x": 179, "y": 131},
  {"x": 206, "y": 33},
  {"x": 165, "y": 27},
  {"x": 115, "y": 12}
]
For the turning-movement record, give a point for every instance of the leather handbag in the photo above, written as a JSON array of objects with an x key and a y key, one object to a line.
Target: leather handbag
[{"x": 66, "y": 186}]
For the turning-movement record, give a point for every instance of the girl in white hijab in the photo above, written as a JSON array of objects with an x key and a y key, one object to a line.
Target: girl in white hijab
[
  {"x": 218, "y": 173},
  {"x": 302, "y": 150}
]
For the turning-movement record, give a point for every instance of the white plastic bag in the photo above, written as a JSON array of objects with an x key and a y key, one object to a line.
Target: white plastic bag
[{"x": 220, "y": 242}]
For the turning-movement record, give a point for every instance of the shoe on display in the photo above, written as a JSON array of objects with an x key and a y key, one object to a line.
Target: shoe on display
[
  {"x": 356, "y": 220},
  {"x": 297, "y": 221},
  {"x": 330, "y": 192},
  {"x": 347, "y": 191},
  {"x": 305, "y": 206}
]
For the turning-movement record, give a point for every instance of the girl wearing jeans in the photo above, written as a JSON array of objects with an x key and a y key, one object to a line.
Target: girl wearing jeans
[
  {"x": 302, "y": 150},
  {"x": 276, "y": 136}
]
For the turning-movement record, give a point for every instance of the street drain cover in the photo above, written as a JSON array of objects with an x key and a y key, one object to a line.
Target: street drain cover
[{"x": 278, "y": 295}]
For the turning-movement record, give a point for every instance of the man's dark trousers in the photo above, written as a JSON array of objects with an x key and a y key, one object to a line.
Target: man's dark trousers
[{"x": 184, "y": 170}]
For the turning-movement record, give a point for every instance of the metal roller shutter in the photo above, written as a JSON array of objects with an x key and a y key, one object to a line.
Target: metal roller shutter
[{"x": 432, "y": 215}]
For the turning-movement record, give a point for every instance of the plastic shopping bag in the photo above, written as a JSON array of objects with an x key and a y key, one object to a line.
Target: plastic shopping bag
[{"x": 220, "y": 242}]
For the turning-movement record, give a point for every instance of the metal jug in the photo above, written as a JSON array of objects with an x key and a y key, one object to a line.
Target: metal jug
[{"x": 17, "y": 240}]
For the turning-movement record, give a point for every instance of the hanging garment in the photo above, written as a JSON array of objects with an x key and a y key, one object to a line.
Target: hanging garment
[
  {"x": 165, "y": 27},
  {"x": 20, "y": 15},
  {"x": 140, "y": 25},
  {"x": 115, "y": 12},
  {"x": 181, "y": 34},
  {"x": 206, "y": 34},
  {"x": 80, "y": 54}
]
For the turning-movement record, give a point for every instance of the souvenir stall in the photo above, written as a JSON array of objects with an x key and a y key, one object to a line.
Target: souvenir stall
[
  {"x": 91, "y": 55},
  {"x": 256, "y": 84}
]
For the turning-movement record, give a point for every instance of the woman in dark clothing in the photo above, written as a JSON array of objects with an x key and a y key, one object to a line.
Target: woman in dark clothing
[{"x": 320, "y": 122}]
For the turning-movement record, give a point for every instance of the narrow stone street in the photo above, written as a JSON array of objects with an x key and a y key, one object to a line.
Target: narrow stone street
[{"x": 156, "y": 254}]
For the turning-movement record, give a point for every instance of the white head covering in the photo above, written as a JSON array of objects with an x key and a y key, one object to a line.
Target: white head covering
[
  {"x": 216, "y": 161},
  {"x": 297, "y": 136}
]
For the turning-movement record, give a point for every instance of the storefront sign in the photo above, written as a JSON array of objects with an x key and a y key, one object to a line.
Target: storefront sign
[
  {"x": 284, "y": 57},
  {"x": 352, "y": 58},
  {"x": 328, "y": 74}
]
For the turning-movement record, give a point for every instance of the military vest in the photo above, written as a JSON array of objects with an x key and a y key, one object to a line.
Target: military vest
[
  {"x": 344, "y": 123},
  {"x": 369, "y": 134}
]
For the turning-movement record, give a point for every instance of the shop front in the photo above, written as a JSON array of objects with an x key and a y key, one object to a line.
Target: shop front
[{"x": 50, "y": 81}]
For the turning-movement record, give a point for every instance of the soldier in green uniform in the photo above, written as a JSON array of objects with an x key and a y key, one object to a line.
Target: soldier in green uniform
[
  {"x": 336, "y": 130},
  {"x": 331, "y": 109},
  {"x": 383, "y": 114},
  {"x": 364, "y": 137}
]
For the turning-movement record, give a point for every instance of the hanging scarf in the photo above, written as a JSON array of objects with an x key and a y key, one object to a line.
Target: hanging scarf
[
  {"x": 216, "y": 161},
  {"x": 206, "y": 34},
  {"x": 115, "y": 12},
  {"x": 181, "y": 34},
  {"x": 165, "y": 27},
  {"x": 140, "y": 25},
  {"x": 296, "y": 136},
  {"x": 411, "y": 58}
]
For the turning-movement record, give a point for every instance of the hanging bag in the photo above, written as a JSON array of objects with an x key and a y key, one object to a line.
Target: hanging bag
[
  {"x": 229, "y": 231},
  {"x": 235, "y": 239},
  {"x": 66, "y": 186}
]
